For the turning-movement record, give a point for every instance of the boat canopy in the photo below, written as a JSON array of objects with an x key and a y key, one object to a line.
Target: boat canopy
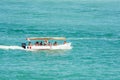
[{"x": 46, "y": 38}]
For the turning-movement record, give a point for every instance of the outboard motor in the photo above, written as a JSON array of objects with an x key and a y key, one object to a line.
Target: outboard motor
[{"x": 23, "y": 45}]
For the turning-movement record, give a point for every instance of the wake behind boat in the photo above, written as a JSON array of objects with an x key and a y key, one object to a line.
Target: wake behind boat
[{"x": 45, "y": 44}]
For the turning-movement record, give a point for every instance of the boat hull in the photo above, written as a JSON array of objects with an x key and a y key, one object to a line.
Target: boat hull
[{"x": 64, "y": 46}]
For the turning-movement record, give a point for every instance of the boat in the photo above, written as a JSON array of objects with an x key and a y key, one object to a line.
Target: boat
[{"x": 47, "y": 45}]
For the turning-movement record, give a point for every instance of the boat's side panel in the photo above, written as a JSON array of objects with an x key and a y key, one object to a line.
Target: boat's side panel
[{"x": 65, "y": 46}]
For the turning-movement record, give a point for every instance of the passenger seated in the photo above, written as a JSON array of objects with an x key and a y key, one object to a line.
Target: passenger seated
[
  {"x": 55, "y": 43},
  {"x": 37, "y": 43},
  {"x": 64, "y": 42},
  {"x": 29, "y": 45},
  {"x": 49, "y": 44},
  {"x": 41, "y": 43}
]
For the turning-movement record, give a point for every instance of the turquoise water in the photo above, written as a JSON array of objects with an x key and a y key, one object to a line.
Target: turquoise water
[{"x": 93, "y": 27}]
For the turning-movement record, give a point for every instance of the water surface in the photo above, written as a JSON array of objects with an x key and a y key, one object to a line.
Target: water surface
[{"x": 92, "y": 26}]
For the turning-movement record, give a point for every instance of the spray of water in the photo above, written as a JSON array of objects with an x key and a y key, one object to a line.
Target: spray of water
[{"x": 10, "y": 47}]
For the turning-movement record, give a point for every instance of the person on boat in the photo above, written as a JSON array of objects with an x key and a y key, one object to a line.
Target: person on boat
[
  {"x": 55, "y": 43},
  {"x": 45, "y": 42},
  {"x": 41, "y": 43},
  {"x": 29, "y": 45},
  {"x": 49, "y": 44},
  {"x": 64, "y": 42},
  {"x": 37, "y": 43}
]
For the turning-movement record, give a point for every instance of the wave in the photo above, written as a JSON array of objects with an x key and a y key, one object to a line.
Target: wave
[
  {"x": 11, "y": 47},
  {"x": 107, "y": 39}
]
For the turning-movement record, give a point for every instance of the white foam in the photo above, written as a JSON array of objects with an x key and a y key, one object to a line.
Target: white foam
[{"x": 11, "y": 47}]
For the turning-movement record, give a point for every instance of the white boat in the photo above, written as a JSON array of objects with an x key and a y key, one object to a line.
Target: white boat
[{"x": 63, "y": 46}]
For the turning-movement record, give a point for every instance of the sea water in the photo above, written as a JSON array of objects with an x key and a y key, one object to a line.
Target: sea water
[{"x": 92, "y": 26}]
